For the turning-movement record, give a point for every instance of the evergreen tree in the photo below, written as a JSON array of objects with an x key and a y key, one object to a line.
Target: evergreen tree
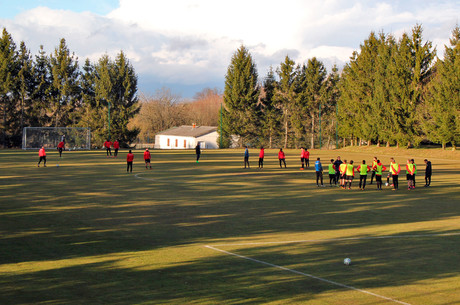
[
  {"x": 285, "y": 94},
  {"x": 65, "y": 90},
  {"x": 443, "y": 118},
  {"x": 126, "y": 101},
  {"x": 271, "y": 114},
  {"x": 241, "y": 96},
  {"x": 8, "y": 73},
  {"x": 25, "y": 86},
  {"x": 411, "y": 69},
  {"x": 313, "y": 94},
  {"x": 40, "y": 114},
  {"x": 329, "y": 107}
]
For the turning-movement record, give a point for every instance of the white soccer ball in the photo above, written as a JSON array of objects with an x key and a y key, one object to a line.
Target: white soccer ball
[
  {"x": 386, "y": 183},
  {"x": 57, "y": 165},
  {"x": 347, "y": 261}
]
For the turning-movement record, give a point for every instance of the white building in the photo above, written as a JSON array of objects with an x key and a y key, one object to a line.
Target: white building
[{"x": 187, "y": 137}]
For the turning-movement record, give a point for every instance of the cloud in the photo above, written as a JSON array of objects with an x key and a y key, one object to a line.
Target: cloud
[{"x": 190, "y": 42}]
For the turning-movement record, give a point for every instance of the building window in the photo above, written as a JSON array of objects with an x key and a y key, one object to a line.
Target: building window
[
  {"x": 177, "y": 143},
  {"x": 185, "y": 143},
  {"x": 168, "y": 142}
]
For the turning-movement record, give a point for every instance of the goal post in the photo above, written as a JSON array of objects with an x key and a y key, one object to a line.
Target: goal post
[{"x": 75, "y": 138}]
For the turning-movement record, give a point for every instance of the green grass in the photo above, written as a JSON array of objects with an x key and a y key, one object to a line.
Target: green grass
[{"x": 88, "y": 232}]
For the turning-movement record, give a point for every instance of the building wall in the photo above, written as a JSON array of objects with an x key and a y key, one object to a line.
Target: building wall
[
  {"x": 210, "y": 139},
  {"x": 178, "y": 142}
]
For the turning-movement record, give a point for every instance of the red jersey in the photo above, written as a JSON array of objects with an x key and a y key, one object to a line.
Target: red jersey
[
  {"x": 116, "y": 145},
  {"x": 147, "y": 155},
  {"x": 262, "y": 153},
  {"x": 107, "y": 144},
  {"x": 306, "y": 154},
  {"x": 61, "y": 145},
  {"x": 281, "y": 155},
  {"x": 41, "y": 152},
  {"x": 129, "y": 157}
]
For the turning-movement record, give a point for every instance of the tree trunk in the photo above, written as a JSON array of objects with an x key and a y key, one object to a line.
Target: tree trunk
[
  {"x": 312, "y": 146},
  {"x": 378, "y": 143},
  {"x": 351, "y": 141},
  {"x": 388, "y": 143},
  {"x": 286, "y": 131},
  {"x": 454, "y": 148},
  {"x": 443, "y": 145},
  {"x": 328, "y": 142},
  {"x": 270, "y": 140}
]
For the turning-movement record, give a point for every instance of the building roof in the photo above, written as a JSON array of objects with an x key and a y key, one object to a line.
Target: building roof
[{"x": 188, "y": 131}]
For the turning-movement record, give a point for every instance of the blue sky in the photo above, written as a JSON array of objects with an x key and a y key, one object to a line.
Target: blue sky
[{"x": 186, "y": 45}]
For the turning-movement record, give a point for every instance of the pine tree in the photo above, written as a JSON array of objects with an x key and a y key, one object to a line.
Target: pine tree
[
  {"x": 65, "y": 90},
  {"x": 443, "y": 124},
  {"x": 313, "y": 93},
  {"x": 271, "y": 114},
  {"x": 40, "y": 114},
  {"x": 126, "y": 101},
  {"x": 24, "y": 89},
  {"x": 8, "y": 73},
  {"x": 285, "y": 94},
  {"x": 241, "y": 96}
]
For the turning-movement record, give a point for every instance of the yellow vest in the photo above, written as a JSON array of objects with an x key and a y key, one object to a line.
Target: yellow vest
[
  {"x": 331, "y": 169},
  {"x": 350, "y": 168}
]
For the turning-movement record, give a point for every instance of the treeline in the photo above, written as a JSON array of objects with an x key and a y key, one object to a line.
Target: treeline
[
  {"x": 392, "y": 91},
  {"x": 164, "y": 110},
  {"x": 51, "y": 90}
]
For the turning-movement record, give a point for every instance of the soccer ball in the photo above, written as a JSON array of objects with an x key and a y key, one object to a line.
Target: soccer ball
[
  {"x": 57, "y": 165},
  {"x": 386, "y": 183},
  {"x": 347, "y": 261}
]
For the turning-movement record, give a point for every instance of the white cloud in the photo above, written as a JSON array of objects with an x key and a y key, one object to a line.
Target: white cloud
[{"x": 191, "y": 42}]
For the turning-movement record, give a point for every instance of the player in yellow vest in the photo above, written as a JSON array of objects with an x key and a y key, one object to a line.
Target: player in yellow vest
[
  {"x": 343, "y": 173},
  {"x": 374, "y": 164},
  {"x": 415, "y": 170},
  {"x": 331, "y": 171},
  {"x": 410, "y": 174},
  {"x": 350, "y": 174},
  {"x": 394, "y": 170},
  {"x": 379, "y": 169},
  {"x": 363, "y": 169}
]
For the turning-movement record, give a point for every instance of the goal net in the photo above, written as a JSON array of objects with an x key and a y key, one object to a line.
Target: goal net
[{"x": 75, "y": 138}]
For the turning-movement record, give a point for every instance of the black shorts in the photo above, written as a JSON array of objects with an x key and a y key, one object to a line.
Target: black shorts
[
  {"x": 409, "y": 177},
  {"x": 147, "y": 160},
  {"x": 349, "y": 178},
  {"x": 378, "y": 178}
]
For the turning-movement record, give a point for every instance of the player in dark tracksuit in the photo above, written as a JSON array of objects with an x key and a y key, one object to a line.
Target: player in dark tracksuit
[
  {"x": 337, "y": 168},
  {"x": 428, "y": 172}
]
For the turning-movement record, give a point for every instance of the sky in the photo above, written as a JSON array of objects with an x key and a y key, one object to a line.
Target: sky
[{"x": 187, "y": 45}]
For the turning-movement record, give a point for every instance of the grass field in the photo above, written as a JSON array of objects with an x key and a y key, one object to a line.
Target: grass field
[{"x": 87, "y": 232}]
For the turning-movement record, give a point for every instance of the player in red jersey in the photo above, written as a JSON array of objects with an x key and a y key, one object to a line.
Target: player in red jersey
[
  {"x": 147, "y": 158},
  {"x": 60, "y": 148},
  {"x": 42, "y": 156},
  {"x": 107, "y": 145},
  {"x": 129, "y": 161},
  {"x": 282, "y": 158},
  {"x": 116, "y": 146}
]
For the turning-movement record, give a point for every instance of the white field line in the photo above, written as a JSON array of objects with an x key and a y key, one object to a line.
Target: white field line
[
  {"x": 336, "y": 239},
  {"x": 148, "y": 179},
  {"x": 308, "y": 275}
]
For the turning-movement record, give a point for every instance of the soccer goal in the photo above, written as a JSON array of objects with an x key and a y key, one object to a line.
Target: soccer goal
[{"x": 75, "y": 138}]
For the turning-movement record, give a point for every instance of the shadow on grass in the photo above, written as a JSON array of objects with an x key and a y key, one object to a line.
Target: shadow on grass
[{"x": 98, "y": 210}]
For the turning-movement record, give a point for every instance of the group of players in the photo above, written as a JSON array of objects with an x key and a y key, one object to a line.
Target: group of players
[{"x": 341, "y": 173}]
